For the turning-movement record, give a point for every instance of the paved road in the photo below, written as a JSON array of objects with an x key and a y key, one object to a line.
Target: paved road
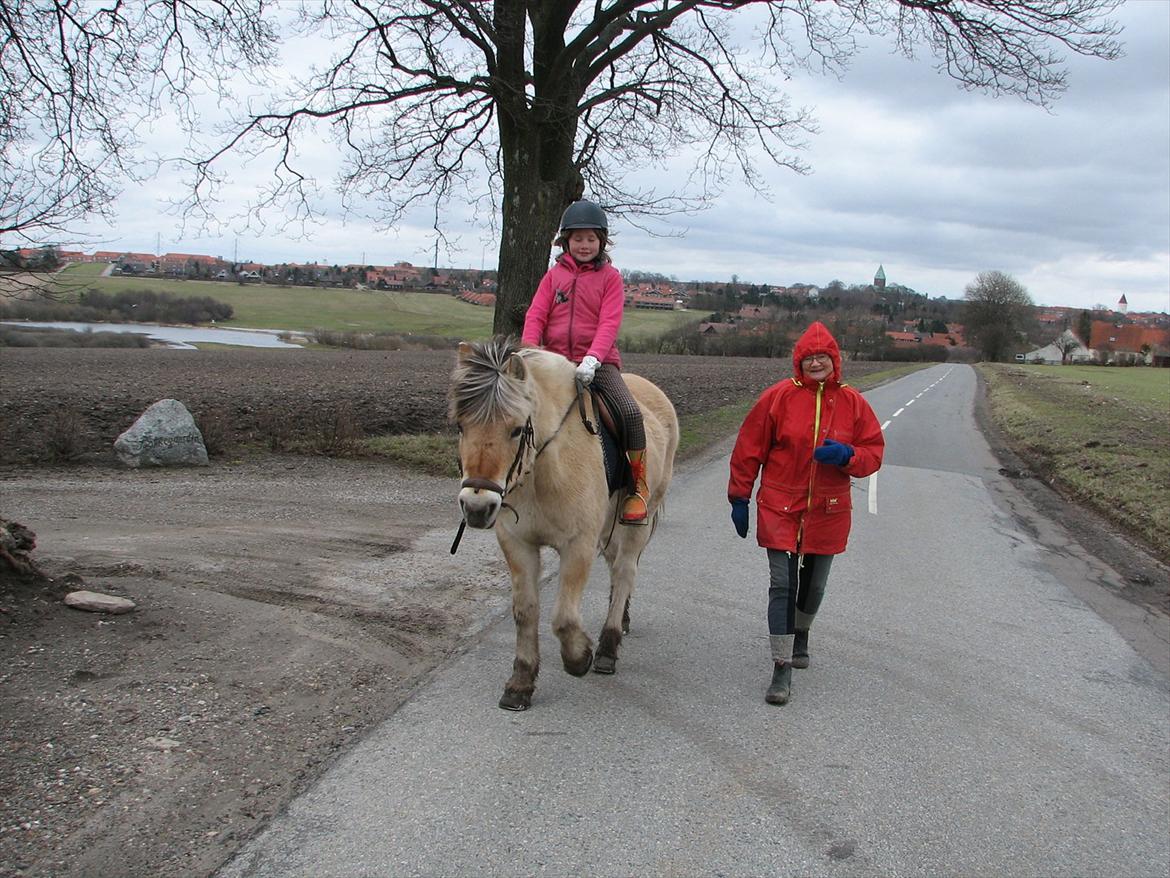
[{"x": 965, "y": 713}]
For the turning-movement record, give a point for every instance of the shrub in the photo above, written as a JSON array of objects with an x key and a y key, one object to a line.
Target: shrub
[
  {"x": 62, "y": 436},
  {"x": 214, "y": 426}
]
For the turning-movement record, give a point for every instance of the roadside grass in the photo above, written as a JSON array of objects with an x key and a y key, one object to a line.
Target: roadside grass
[
  {"x": 438, "y": 454},
  {"x": 304, "y": 309},
  {"x": 1099, "y": 435},
  {"x": 433, "y": 453}
]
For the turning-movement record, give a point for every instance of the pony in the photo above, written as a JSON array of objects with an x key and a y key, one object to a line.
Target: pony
[{"x": 533, "y": 470}]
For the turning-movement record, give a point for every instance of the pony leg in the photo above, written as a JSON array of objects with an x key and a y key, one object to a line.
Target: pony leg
[
  {"x": 576, "y": 647},
  {"x": 524, "y": 564},
  {"x": 623, "y": 568}
]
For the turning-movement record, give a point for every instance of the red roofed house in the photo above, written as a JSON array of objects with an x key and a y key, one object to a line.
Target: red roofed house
[{"x": 1147, "y": 342}]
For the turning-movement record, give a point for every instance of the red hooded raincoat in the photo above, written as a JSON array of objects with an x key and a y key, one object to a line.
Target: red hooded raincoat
[{"x": 805, "y": 506}]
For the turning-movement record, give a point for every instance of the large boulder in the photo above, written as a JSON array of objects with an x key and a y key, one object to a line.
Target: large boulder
[{"x": 164, "y": 435}]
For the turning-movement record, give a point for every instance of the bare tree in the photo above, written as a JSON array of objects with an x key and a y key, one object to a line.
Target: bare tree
[
  {"x": 995, "y": 312},
  {"x": 77, "y": 82},
  {"x": 532, "y": 105},
  {"x": 518, "y": 107},
  {"x": 1066, "y": 343}
]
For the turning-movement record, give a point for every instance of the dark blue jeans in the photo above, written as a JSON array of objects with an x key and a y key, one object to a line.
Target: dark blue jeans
[{"x": 794, "y": 595}]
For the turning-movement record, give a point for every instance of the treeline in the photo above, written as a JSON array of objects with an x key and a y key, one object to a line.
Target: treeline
[
  {"x": 145, "y": 306},
  {"x": 776, "y": 339}
]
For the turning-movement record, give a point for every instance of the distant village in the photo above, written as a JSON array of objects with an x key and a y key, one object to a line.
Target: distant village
[{"x": 739, "y": 309}]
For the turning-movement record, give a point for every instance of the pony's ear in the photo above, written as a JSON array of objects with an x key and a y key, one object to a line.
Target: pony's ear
[
  {"x": 464, "y": 350},
  {"x": 516, "y": 368}
]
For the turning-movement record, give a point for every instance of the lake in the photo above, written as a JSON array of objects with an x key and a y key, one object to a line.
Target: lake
[{"x": 175, "y": 336}]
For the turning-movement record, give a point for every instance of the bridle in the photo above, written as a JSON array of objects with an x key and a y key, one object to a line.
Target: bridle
[{"x": 527, "y": 440}]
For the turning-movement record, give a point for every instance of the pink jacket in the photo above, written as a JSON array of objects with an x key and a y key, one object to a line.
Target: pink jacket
[{"x": 577, "y": 311}]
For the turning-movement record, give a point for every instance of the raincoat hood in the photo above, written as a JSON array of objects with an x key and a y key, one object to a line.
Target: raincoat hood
[{"x": 816, "y": 340}]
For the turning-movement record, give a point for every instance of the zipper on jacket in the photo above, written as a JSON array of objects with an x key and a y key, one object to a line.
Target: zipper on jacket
[
  {"x": 572, "y": 311},
  {"x": 812, "y": 474}
]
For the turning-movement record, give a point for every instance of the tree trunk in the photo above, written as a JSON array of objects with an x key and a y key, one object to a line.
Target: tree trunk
[
  {"x": 540, "y": 177},
  {"x": 530, "y": 217}
]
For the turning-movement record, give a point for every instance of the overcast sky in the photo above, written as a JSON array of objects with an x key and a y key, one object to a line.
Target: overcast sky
[{"x": 909, "y": 172}]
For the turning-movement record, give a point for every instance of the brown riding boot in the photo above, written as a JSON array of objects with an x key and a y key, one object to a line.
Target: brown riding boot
[{"x": 635, "y": 507}]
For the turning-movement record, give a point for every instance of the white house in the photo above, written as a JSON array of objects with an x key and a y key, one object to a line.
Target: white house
[{"x": 1052, "y": 354}]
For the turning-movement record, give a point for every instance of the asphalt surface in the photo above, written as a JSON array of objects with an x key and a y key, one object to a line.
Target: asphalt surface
[{"x": 966, "y": 712}]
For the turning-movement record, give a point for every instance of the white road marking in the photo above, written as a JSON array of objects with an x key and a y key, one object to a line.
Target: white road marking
[{"x": 873, "y": 494}]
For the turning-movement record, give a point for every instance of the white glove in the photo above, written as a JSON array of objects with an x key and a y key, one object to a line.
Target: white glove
[{"x": 587, "y": 368}]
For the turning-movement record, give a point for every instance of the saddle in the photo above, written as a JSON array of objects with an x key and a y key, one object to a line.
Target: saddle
[{"x": 612, "y": 432}]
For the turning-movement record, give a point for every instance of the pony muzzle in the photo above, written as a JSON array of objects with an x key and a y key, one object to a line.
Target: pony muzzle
[{"x": 480, "y": 503}]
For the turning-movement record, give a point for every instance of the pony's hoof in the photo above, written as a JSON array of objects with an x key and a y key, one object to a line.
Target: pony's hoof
[
  {"x": 515, "y": 700},
  {"x": 604, "y": 664},
  {"x": 581, "y": 667}
]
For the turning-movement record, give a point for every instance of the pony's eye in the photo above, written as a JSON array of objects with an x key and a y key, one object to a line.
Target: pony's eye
[{"x": 516, "y": 431}]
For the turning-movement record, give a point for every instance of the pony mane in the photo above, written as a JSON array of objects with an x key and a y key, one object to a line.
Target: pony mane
[{"x": 483, "y": 389}]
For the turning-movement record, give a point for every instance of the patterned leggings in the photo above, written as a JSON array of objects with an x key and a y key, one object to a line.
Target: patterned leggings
[{"x": 609, "y": 378}]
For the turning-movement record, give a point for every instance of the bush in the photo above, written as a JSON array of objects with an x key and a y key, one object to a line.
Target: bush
[
  {"x": 145, "y": 306},
  {"x": 62, "y": 436},
  {"x": 380, "y": 341},
  {"x": 37, "y": 337}
]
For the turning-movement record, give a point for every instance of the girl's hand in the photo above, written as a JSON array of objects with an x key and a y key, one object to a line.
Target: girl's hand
[{"x": 587, "y": 369}]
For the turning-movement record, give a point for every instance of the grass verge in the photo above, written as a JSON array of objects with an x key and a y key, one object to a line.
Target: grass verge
[{"x": 1100, "y": 436}]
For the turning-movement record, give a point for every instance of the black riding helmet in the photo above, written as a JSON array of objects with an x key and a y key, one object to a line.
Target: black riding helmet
[{"x": 584, "y": 215}]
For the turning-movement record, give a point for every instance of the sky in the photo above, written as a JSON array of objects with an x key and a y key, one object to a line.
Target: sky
[{"x": 908, "y": 171}]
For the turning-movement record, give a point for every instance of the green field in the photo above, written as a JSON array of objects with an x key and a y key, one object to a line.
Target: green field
[
  {"x": 1101, "y": 435},
  {"x": 303, "y": 309}
]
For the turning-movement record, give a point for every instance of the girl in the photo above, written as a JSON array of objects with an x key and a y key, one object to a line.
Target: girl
[{"x": 577, "y": 312}]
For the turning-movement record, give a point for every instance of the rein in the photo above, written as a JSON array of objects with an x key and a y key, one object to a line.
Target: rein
[{"x": 527, "y": 440}]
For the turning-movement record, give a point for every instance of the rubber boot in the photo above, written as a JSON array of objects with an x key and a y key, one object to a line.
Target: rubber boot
[
  {"x": 635, "y": 506},
  {"x": 800, "y": 649},
  {"x": 781, "y": 687}
]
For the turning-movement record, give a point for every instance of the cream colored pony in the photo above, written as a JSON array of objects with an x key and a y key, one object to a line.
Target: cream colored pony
[{"x": 535, "y": 473}]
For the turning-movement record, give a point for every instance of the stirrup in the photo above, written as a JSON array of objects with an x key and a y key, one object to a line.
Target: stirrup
[{"x": 635, "y": 520}]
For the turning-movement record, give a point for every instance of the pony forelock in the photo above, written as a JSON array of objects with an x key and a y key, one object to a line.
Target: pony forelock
[{"x": 482, "y": 389}]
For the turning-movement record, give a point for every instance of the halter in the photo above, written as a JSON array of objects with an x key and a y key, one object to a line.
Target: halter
[{"x": 527, "y": 440}]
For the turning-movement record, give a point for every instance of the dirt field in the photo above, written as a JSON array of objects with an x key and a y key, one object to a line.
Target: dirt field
[
  {"x": 285, "y": 604},
  {"x": 95, "y": 394}
]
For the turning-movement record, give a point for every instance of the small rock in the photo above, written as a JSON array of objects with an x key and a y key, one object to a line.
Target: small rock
[
  {"x": 96, "y": 602},
  {"x": 161, "y": 743}
]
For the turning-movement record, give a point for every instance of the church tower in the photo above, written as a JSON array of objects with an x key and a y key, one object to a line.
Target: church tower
[
  {"x": 1122, "y": 305},
  {"x": 879, "y": 279}
]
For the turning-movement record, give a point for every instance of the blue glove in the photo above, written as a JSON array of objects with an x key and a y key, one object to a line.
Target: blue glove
[
  {"x": 836, "y": 453},
  {"x": 739, "y": 516}
]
